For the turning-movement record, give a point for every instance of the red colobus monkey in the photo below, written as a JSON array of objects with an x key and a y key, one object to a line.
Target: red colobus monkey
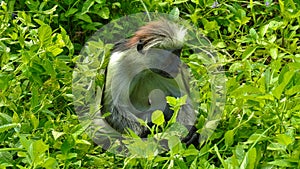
[{"x": 142, "y": 71}]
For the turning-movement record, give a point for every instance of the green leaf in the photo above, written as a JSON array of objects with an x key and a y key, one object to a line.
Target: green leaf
[
  {"x": 133, "y": 134},
  {"x": 145, "y": 149},
  {"x": 253, "y": 33},
  {"x": 255, "y": 137},
  {"x": 80, "y": 128},
  {"x": 5, "y": 81},
  {"x": 84, "y": 17},
  {"x": 67, "y": 41},
  {"x": 174, "y": 13},
  {"x": 181, "y": 163},
  {"x": 274, "y": 52},
  {"x": 229, "y": 138},
  {"x": 25, "y": 142},
  {"x": 7, "y": 127},
  {"x": 182, "y": 100},
  {"x": 56, "y": 134},
  {"x": 284, "y": 139},
  {"x": 116, "y": 4},
  {"x": 69, "y": 2},
  {"x": 21, "y": 167},
  {"x": 35, "y": 97},
  {"x": 86, "y": 6},
  {"x": 219, "y": 156},
  {"x": 282, "y": 163},
  {"x": 48, "y": 66},
  {"x": 275, "y": 25},
  {"x": 263, "y": 30},
  {"x": 210, "y": 25},
  {"x": 293, "y": 90},
  {"x": 15, "y": 118},
  {"x": 248, "y": 52},
  {"x": 104, "y": 13},
  {"x": 175, "y": 144},
  {"x": 44, "y": 34},
  {"x": 6, "y": 158},
  {"x": 175, "y": 129},
  {"x": 179, "y": 1},
  {"x": 40, "y": 22},
  {"x": 71, "y": 11},
  {"x": 195, "y": 1},
  {"x": 244, "y": 20},
  {"x": 68, "y": 144},
  {"x": 37, "y": 151},
  {"x": 287, "y": 76},
  {"x": 267, "y": 76},
  {"x": 5, "y": 117},
  {"x": 50, "y": 163},
  {"x": 191, "y": 152},
  {"x": 34, "y": 121},
  {"x": 80, "y": 141},
  {"x": 50, "y": 11},
  {"x": 276, "y": 147},
  {"x": 32, "y": 5},
  {"x": 158, "y": 117},
  {"x": 100, "y": 1},
  {"x": 194, "y": 164},
  {"x": 54, "y": 50},
  {"x": 171, "y": 101},
  {"x": 250, "y": 159},
  {"x": 219, "y": 44}
]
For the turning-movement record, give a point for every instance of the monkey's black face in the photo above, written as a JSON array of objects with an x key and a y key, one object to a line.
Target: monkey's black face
[
  {"x": 170, "y": 62},
  {"x": 163, "y": 62},
  {"x": 167, "y": 60}
]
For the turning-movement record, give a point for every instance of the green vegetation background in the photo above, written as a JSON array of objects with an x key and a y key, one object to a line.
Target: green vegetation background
[{"x": 257, "y": 41}]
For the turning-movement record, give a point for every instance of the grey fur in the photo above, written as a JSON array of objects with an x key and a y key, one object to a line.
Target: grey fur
[{"x": 128, "y": 74}]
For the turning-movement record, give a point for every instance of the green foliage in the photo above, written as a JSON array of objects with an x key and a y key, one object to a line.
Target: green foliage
[{"x": 258, "y": 46}]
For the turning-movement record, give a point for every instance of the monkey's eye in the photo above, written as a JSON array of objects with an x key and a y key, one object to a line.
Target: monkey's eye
[{"x": 140, "y": 46}]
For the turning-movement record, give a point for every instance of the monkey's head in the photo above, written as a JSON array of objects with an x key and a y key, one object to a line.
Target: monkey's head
[{"x": 162, "y": 34}]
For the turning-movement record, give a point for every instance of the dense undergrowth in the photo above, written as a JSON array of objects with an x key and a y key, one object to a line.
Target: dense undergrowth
[{"x": 258, "y": 45}]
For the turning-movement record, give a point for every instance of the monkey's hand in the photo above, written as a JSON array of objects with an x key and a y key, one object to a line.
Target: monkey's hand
[{"x": 192, "y": 137}]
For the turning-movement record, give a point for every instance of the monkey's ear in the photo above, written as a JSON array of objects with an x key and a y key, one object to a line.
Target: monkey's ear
[{"x": 140, "y": 46}]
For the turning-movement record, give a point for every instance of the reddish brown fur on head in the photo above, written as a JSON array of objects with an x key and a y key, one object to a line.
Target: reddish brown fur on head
[
  {"x": 161, "y": 32},
  {"x": 144, "y": 33}
]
